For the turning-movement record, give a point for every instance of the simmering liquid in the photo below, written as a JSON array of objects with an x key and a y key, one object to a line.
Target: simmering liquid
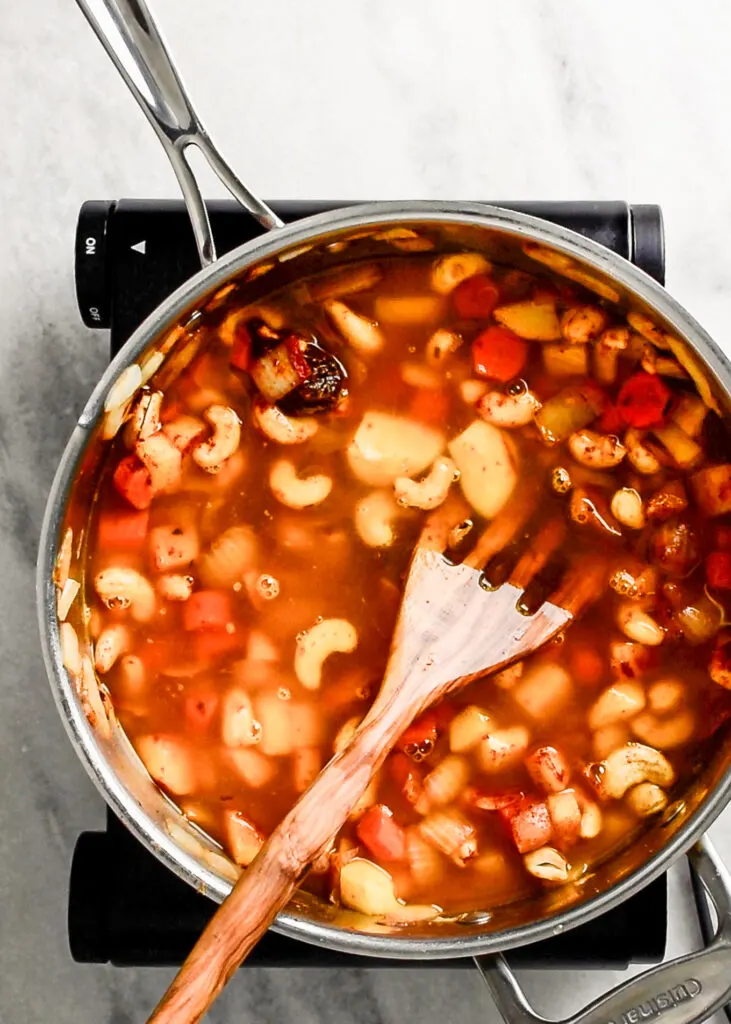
[{"x": 254, "y": 526}]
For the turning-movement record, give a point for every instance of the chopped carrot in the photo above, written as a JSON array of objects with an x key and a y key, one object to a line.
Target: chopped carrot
[
  {"x": 122, "y": 530},
  {"x": 718, "y": 569},
  {"x": 476, "y": 297},
  {"x": 385, "y": 839},
  {"x": 498, "y": 353},
  {"x": 530, "y": 824},
  {"x": 406, "y": 775},
  {"x": 207, "y": 609},
  {"x": 133, "y": 481},
  {"x": 644, "y": 400},
  {"x": 241, "y": 350},
  {"x": 419, "y": 739},
  {"x": 429, "y": 405}
]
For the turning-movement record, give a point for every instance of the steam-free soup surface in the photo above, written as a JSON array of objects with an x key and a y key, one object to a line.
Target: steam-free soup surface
[{"x": 254, "y": 527}]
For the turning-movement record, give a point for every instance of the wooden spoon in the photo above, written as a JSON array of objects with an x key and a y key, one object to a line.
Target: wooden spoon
[{"x": 451, "y": 629}]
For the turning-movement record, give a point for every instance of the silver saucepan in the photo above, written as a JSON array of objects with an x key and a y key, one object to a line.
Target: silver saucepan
[{"x": 685, "y": 990}]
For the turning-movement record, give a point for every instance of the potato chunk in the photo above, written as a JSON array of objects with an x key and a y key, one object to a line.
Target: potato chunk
[
  {"x": 387, "y": 446},
  {"x": 487, "y": 471}
]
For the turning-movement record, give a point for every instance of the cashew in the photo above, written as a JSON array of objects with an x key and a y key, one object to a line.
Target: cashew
[
  {"x": 647, "y": 799},
  {"x": 174, "y": 587},
  {"x": 273, "y": 423},
  {"x": 548, "y": 768},
  {"x": 664, "y": 733},
  {"x": 183, "y": 431},
  {"x": 627, "y": 508},
  {"x": 145, "y": 418},
  {"x": 606, "y": 353},
  {"x": 591, "y": 816},
  {"x": 617, "y": 703},
  {"x": 638, "y": 625},
  {"x": 162, "y": 460},
  {"x": 641, "y": 457},
  {"x": 512, "y": 410},
  {"x": 121, "y": 589},
  {"x": 582, "y": 324},
  {"x": 294, "y": 491},
  {"x": 374, "y": 515},
  {"x": 635, "y": 584},
  {"x": 430, "y": 492},
  {"x": 628, "y": 766},
  {"x": 665, "y": 695},
  {"x": 361, "y": 333},
  {"x": 547, "y": 864},
  {"x": 113, "y": 641},
  {"x": 598, "y": 451},
  {"x": 315, "y": 645},
  {"x": 441, "y": 344},
  {"x": 449, "y": 271},
  {"x": 211, "y": 454}
]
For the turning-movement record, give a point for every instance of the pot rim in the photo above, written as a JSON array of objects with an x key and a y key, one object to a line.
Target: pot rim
[{"x": 143, "y": 825}]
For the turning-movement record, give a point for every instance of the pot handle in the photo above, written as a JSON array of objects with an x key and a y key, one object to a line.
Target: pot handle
[
  {"x": 127, "y": 31},
  {"x": 682, "y": 991}
]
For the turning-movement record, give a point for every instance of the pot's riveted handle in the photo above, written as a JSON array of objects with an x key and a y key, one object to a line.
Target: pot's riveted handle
[
  {"x": 127, "y": 31},
  {"x": 682, "y": 991}
]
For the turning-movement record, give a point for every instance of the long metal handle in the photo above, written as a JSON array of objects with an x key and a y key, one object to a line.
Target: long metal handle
[
  {"x": 127, "y": 31},
  {"x": 682, "y": 991}
]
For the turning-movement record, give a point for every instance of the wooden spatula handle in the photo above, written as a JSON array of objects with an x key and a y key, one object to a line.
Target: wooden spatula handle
[{"x": 268, "y": 883}]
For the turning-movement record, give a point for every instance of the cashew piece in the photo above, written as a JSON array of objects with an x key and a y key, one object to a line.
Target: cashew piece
[
  {"x": 582, "y": 324},
  {"x": 275, "y": 425},
  {"x": 641, "y": 457},
  {"x": 627, "y": 508},
  {"x": 508, "y": 410},
  {"x": 664, "y": 733},
  {"x": 598, "y": 451},
  {"x": 430, "y": 492},
  {"x": 122, "y": 589},
  {"x": 315, "y": 645},
  {"x": 374, "y": 515},
  {"x": 628, "y": 766},
  {"x": 294, "y": 491},
  {"x": 162, "y": 460},
  {"x": 636, "y": 624},
  {"x": 647, "y": 799},
  {"x": 449, "y": 271},
  {"x": 362, "y": 333},
  {"x": 617, "y": 703},
  {"x": 211, "y": 454},
  {"x": 145, "y": 418},
  {"x": 442, "y": 343},
  {"x": 547, "y": 864},
  {"x": 112, "y": 643}
]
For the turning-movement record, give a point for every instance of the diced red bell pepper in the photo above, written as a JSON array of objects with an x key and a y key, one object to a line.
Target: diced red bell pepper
[
  {"x": 610, "y": 421},
  {"x": 718, "y": 569},
  {"x": 384, "y": 837},
  {"x": 122, "y": 530},
  {"x": 207, "y": 609},
  {"x": 133, "y": 481},
  {"x": 200, "y": 709},
  {"x": 444, "y": 712},
  {"x": 406, "y": 776},
  {"x": 644, "y": 400},
  {"x": 479, "y": 798},
  {"x": 421, "y": 735},
  {"x": 499, "y": 354},
  {"x": 211, "y": 644},
  {"x": 475, "y": 297},
  {"x": 429, "y": 405},
  {"x": 530, "y": 824},
  {"x": 587, "y": 664},
  {"x": 241, "y": 349}
]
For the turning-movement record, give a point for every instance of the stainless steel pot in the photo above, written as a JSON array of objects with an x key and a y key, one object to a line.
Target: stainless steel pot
[{"x": 685, "y": 990}]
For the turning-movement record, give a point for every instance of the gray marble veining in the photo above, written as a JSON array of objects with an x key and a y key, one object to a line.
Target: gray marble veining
[{"x": 370, "y": 99}]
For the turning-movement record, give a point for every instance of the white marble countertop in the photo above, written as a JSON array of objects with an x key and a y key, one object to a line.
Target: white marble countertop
[{"x": 546, "y": 99}]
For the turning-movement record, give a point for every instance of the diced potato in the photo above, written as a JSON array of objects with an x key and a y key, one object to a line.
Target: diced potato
[
  {"x": 244, "y": 839},
  {"x": 450, "y": 832},
  {"x": 712, "y": 489},
  {"x": 444, "y": 783},
  {"x": 255, "y": 768},
  {"x": 408, "y": 309},
  {"x": 685, "y": 451},
  {"x": 306, "y": 766},
  {"x": 565, "y": 360},
  {"x": 503, "y": 749},
  {"x": 275, "y": 717},
  {"x": 369, "y": 889},
  {"x": 387, "y": 446},
  {"x": 535, "y": 321},
  {"x": 571, "y": 409},
  {"x": 544, "y": 691},
  {"x": 168, "y": 762},
  {"x": 468, "y": 728},
  {"x": 306, "y": 723},
  {"x": 487, "y": 470},
  {"x": 238, "y": 726},
  {"x": 426, "y": 864},
  {"x": 690, "y": 414}
]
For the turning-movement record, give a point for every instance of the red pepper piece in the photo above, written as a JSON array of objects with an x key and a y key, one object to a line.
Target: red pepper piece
[
  {"x": 499, "y": 354},
  {"x": 644, "y": 400},
  {"x": 132, "y": 480},
  {"x": 207, "y": 609},
  {"x": 476, "y": 297},
  {"x": 419, "y": 739},
  {"x": 611, "y": 421},
  {"x": 384, "y": 837},
  {"x": 122, "y": 530},
  {"x": 430, "y": 405},
  {"x": 406, "y": 776},
  {"x": 241, "y": 349},
  {"x": 530, "y": 824}
]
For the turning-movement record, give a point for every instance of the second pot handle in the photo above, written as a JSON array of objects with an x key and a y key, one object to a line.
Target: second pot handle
[
  {"x": 127, "y": 31},
  {"x": 683, "y": 991}
]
